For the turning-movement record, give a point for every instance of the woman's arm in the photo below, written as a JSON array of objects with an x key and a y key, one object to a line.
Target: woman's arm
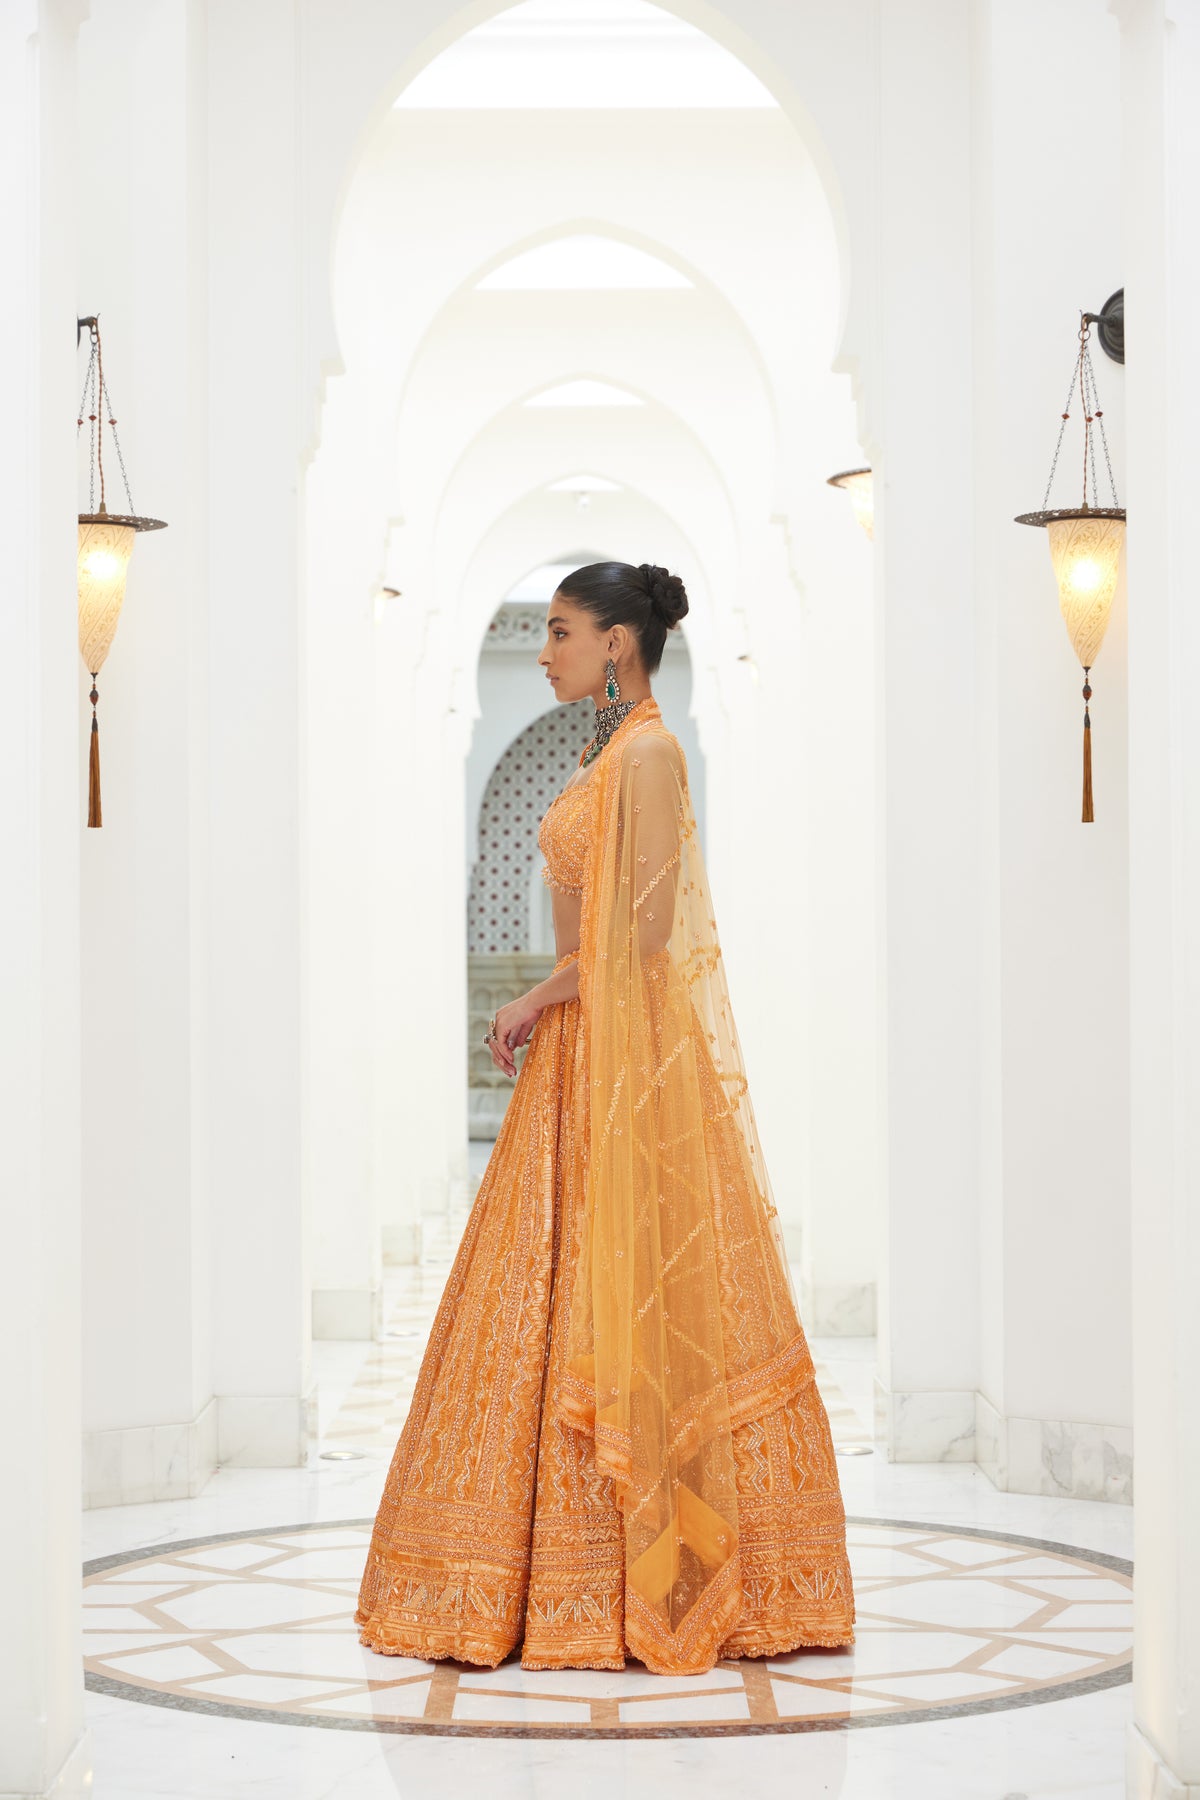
[
  {"x": 563, "y": 984},
  {"x": 516, "y": 1020}
]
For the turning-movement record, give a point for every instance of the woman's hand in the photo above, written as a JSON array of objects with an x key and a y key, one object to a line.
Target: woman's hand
[{"x": 514, "y": 1022}]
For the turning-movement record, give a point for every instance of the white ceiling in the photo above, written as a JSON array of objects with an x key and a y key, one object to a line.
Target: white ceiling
[{"x": 585, "y": 53}]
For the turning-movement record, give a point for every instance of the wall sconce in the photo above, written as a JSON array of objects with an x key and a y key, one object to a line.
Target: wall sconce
[
  {"x": 860, "y": 485},
  {"x": 1085, "y": 540},
  {"x": 105, "y": 546}
]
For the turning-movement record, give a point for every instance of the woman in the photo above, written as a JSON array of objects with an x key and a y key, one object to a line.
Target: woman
[{"x": 616, "y": 1444}]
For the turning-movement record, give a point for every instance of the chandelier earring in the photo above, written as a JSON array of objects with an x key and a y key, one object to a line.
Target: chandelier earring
[{"x": 610, "y": 715}]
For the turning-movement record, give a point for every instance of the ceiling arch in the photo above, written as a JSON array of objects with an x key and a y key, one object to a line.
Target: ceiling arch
[
  {"x": 365, "y": 101},
  {"x": 522, "y": 451},
  {"x": 697, "y": 279}
]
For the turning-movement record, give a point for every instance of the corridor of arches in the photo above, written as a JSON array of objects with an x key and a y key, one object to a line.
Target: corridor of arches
[{"x": 410, "y": 311}]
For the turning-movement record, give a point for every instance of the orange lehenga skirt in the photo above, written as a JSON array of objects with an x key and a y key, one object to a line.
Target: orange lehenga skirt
[{"x": 496, "y": 1528}]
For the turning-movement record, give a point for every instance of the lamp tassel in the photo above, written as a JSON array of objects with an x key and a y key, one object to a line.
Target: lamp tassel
[
  {"x": 94, "y": 761},
  {"x": 1088, "y": 814}
]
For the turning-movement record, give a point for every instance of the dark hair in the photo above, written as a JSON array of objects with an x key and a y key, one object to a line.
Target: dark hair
[{"x": 643, "y": 596}]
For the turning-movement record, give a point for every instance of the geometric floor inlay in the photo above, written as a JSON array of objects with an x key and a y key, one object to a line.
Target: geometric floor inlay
[{"x": 258, "y": 1625}]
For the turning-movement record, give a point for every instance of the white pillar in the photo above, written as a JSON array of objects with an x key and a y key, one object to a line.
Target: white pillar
[
  {"x": 255, "y": 973},
  {"x": 919, "y": 424},
  {"x": 43, "y": 793},
  {"x": 343, "y": 538},
  {"x": 1053, "y": 1412},
  {"x": 416, "y": 883},
  {"x": 149, "y": 1420},
  {"x": 831, "y": 724},
  {"x": 1160, "y": 58},
  {"x": 758, "y": 866}
]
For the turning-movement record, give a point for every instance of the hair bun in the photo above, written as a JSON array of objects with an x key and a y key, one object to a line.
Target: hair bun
[{"x": 668, "y": 596}]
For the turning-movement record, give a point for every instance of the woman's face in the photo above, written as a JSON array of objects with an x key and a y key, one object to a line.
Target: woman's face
[{"x": 575, "y": 651}]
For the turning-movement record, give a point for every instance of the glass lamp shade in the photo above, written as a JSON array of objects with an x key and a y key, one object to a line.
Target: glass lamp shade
[
  {"x": 1086, "y": 553},
  {"x": 860, "y": 485},
  {"x": 105, "y": 546}
]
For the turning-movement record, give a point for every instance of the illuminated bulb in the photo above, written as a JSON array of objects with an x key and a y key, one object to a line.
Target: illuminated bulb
[
  {"x": 102, "y": 565},
  {"x": 104, "y": 551},
  {"x": 1086, "y": 552}
]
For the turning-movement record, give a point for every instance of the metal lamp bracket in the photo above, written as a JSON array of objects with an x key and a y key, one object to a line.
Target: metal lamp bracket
[{"x": 1110, "y": 326}]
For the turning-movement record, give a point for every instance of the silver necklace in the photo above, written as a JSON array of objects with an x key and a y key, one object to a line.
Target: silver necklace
[{"x": 607, "y": 720}]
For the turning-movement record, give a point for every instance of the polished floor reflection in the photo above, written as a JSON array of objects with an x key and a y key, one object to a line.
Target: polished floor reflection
[
  {"x": 946, "y": 1621},
  {"x": 994, "y": 1628}
]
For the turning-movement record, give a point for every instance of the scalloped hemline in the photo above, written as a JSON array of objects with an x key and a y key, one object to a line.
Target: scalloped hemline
[
  {"x": 782, "y": 1647},
  {"x": 826, "y": 1641},
  {"x": 539, "y": 1664},
  {"x": 479, "y": 1659}
]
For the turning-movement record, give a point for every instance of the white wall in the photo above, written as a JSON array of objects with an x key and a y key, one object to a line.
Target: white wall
[
  {"x": 151, "y": 1430},
  {"x": 1160, "y": 125},
  {"x": 42, "y": 1741},
  {"x": 1054, "y": 1102}
]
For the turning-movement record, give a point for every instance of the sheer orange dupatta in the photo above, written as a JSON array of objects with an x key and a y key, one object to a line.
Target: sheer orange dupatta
[{"x": 649, "y": 1307}]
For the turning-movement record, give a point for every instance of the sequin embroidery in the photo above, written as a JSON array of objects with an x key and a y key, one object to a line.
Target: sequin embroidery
[{"x": 563, "y": 838}]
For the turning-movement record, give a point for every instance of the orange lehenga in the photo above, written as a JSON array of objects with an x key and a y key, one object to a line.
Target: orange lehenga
[{"x": 616, "y": 1445}]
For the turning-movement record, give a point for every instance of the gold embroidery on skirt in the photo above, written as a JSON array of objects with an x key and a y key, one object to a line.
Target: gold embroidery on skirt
[{"x": 501, "y": 1522}]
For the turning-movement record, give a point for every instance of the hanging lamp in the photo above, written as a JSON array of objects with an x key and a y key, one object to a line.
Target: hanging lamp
[
  {"x": 1085, "y": 540},
  {"x": 859, "y": 484},
  {"x": 105, "y": 545}
]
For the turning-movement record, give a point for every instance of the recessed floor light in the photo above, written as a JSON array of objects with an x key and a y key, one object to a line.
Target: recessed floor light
[
  {"x": 854, "y": 1449},
  {"x": 342, "y": 1455}
]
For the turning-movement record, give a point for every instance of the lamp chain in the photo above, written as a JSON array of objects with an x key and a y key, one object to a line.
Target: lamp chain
[
  {"x": 99, "y": 411},
  {"x": 89, "y": 387},
  {"x": 1084, "y": 374},
  {"x": 112, "y": 425},
  {"x": 1066, "y": 413},
  {"x": 1091, "y": 438},
  {"x": 1099, "y": 416},
  {"x": 95, "y": 388}
]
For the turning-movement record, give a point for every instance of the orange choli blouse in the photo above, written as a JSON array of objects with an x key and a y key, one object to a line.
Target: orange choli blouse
[{"x": 564, "y": 838}]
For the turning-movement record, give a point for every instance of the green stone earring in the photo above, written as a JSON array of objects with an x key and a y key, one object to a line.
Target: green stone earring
[{"x": 610, "y": 686}]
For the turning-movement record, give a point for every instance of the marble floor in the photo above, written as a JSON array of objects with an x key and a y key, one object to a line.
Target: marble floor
[{"x": 992, "y": 1660}]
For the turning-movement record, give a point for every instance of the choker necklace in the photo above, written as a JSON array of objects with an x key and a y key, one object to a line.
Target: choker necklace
[{"x": 607, "y": 720}]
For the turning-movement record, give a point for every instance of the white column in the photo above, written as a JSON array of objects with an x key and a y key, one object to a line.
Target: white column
[
  {"x": 43, "y": 794},
  {"x": 919, "y": 406},
  {"x": 416, "y": 884},
  {"x": 1053, "y": 1413},
  {"x": 830, "y": 722},
  {"x": 255, "y": 974},
  {"x": 343, "y": 539},
  {"x": 758, "y": 866},
  {"x": 1160, "y": 58},
  {"x": 149, "y": 1420}
]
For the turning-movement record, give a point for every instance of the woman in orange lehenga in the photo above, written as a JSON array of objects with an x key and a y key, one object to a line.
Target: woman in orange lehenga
[{"x": 616, "y": 1445}]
